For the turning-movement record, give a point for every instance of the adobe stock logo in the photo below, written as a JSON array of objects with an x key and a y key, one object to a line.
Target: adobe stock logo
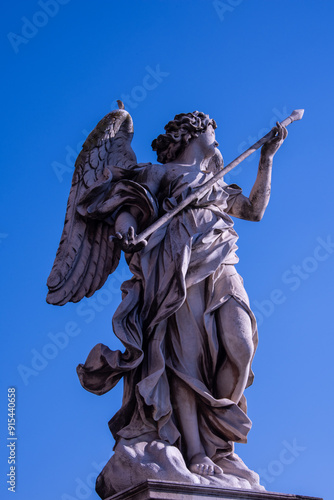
[
  {"x": 56, "y": 343},
  {"x": 287, "y": 456},
  {"x": 30, "y": 27},
  {"x": 3, "y": 236},
  {"x": 278, "y": 115},
  {"x": 150, "y": 81},
  {"x": 85, "y": 488},
  {"x": 293, "y": 278},
  {"x": 138, "y": 93},
  {"x": 227, "y": 6},
  {"x": 67, "y": 167}
]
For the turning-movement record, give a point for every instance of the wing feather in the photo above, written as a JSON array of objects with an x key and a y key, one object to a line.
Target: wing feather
[
  {"x": 79, "y": 271},
  {"x": 85, "y": 256},
  {"x": 102, "y": 258},
  {"x": 70, "y": 243},
  {"x": 84, "y": 272}
]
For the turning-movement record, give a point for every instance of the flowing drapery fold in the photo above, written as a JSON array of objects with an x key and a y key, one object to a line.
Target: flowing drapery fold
[{"x": 194, "y": 253}]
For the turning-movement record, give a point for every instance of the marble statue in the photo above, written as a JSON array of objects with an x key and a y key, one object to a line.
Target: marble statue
[{"x": 184, "y": 319}]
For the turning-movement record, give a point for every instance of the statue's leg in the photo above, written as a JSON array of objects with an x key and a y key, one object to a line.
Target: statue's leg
[
  {"x": 185, "y": 408},
  {"x": 235, "y": 332},
  {"x": 187, "y": 344}
]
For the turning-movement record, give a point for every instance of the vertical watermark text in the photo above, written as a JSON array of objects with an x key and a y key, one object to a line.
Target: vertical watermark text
[{"x": 30, "y": 27}]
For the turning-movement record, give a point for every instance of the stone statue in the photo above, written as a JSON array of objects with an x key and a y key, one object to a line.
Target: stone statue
[{"x": 185, "y": 321}]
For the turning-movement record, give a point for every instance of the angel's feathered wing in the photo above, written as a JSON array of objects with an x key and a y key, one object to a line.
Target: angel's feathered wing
[{"x": 86, "y": 256}]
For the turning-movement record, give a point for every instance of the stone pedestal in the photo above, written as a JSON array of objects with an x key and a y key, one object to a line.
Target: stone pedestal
[
  {"x": 136, "y": 461},
  {"x": 167, "y": 490}
]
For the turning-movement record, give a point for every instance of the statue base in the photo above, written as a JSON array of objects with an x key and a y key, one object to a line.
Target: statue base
[
  {"x": 168, "y": 490},
  {"x": 136, "y": 460}
]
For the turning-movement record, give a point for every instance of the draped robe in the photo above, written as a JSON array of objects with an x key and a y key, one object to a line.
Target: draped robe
[{"x": 195, "y": 251}]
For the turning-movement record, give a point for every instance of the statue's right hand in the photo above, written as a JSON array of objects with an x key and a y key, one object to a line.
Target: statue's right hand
[
  {"x": 272, "y": 146},
  {"x": 127, "y": 241}
]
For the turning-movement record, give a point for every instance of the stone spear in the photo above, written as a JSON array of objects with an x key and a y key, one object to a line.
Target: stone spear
[{"x": 297, "y": 114}]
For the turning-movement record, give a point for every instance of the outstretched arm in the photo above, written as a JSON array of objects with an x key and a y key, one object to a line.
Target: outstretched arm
[{"x": 253, "y": 208}]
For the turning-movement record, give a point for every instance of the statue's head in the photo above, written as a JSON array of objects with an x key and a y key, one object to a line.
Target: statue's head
[{"x": 179, "y": 132}]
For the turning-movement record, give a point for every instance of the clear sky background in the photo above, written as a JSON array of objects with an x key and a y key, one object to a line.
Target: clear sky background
[{"x": 245, "y": 62}]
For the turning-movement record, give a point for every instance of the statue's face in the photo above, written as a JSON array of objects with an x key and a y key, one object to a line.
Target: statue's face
[{"x": 207, "y": 142}]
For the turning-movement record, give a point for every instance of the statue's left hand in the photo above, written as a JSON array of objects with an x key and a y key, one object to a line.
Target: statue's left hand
[
  {"x": 126, "y": 240},
  {"x": 273, "y": 145}
]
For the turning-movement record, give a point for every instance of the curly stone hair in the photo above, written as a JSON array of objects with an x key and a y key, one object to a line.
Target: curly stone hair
[{"x": 179, "y": 133}]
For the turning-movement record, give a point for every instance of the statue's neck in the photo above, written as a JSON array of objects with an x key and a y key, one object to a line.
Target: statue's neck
[{"x": 192, "y": 156}]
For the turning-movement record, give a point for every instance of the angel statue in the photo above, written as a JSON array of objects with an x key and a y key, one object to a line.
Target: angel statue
[{"x": 184, "y": 319}]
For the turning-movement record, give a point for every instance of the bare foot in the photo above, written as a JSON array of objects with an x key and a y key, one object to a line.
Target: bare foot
[{"x": 203, "y": 465}]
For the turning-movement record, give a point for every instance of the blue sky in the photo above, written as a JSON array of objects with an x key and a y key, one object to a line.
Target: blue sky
[{"x": 245, "y": 62}]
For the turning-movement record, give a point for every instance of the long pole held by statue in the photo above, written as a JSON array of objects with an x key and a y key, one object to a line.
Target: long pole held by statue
[{"x": 297, "y": 114}]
